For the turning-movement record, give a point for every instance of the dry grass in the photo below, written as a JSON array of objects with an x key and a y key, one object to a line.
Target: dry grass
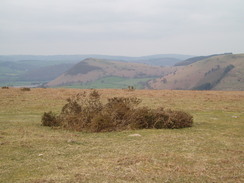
[{"x": 211, "y": 151}]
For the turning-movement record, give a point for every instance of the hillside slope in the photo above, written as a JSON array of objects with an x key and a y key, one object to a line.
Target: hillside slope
[
  {"x": 17, "y": 70},
  {"x": 224, "y": 72},
  {"x": 47, "y": 73},
  {"x": 160, "y": 59},
  {"x": 196, "y": 59},
  {"x": 93, "y": 69}
]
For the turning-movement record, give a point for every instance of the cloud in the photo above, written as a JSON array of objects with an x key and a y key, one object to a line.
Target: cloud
[{"x": 166, "y": 23}]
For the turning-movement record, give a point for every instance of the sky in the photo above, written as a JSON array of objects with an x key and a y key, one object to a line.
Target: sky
[{"x": 121, "y": 27}]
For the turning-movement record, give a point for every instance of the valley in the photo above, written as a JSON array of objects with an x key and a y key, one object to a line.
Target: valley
[{"x": 213, "y": 72}]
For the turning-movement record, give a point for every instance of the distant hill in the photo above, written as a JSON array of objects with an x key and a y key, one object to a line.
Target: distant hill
[
  {"x": 91, "y": 69},
  {"x": 27, "y": 69},
  {"x": 196, "y": 59},
  {"x": 46, "y": 73},
  {"x": 222, "y": 72},
  {"x": 178, "y": 72},
  {"x": 160, "y": 59}
]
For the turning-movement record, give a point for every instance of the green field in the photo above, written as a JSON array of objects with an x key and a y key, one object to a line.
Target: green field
[
  {"x": 210, "y": 151},
  {"x": 11, "y": 72},
  {"x": 112, "y": 82}
]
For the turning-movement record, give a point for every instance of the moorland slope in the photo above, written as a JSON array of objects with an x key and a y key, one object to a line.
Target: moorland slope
[
  {"x": 222, "y": 72},
  {"x": 92, "y": 69}
]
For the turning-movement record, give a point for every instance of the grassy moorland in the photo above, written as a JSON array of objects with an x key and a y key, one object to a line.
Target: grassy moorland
[{"x": 210, "y": 151}]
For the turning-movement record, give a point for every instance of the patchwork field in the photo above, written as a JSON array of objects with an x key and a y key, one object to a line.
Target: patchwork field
[
  {"x": 111, "y": 82},
  {"x": 210, "y": 151}
]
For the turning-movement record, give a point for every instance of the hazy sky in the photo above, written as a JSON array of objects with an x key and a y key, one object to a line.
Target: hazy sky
[{"x": 121, "y": 27}]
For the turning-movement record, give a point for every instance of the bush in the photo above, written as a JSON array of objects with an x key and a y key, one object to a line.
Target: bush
[
  {"x": 85, "y": 112},
  {"x": 25, "y": 89},
  {"x": 178, "y": 119},
  {"x": 102, "y": 122},
  {"x": 5, "y": 87},
  {"x": 141, "y": 118},
  {"x": 49, "y": 119},
  {"x": 172, "y": 119},
  {"x": 131, "y": 88}
]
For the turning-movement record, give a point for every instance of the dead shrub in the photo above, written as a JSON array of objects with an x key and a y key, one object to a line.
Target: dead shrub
[
  {"x": 102, "y": 122},
  {"x": 160, "y": 118},
  {"x": 131, "y": 88},
  {"x": 171, "y": 119},
  {"x": 85, "y": 112},
  {"x": 5, "y": 87},
  {"x": 49, "y": 119},
  {"x": 141, "y": 118},
  {"x": 178, "y": 119},
  {"x": 25, "y": 89}
]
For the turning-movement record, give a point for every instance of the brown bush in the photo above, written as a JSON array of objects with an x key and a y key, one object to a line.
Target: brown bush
[
  {"x": 85, "y": 112},
  {"x": 141, "y": 118},
  {"x": 25, "y": 89},
  {"x": 5, "y": 87},
  {"x": 49, "y": 119},
  {"x": 102, "y": 122},
  {"x": 131, "y": 88},
  {"x": 178, "y": 119}
]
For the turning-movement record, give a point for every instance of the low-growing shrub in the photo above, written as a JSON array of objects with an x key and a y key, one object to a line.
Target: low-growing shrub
[
  {"x": 85, "y": 112},
  {"x": 177, "y": 119},
  {"x": 131, "y": 88},
  {"x": 25, "y": 89},
  {"x": 49, "y": 119},
  {"x": 5, "y": 87}
]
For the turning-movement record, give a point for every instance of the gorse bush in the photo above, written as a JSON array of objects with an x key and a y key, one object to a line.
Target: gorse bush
[
  {"x": 85, "y": 112},
  {"x": 131, "y": 88},
  {"x": 5, "y": 87},
  {"x": 25, "y": 89},
  {"x": 49, "y": 119}
]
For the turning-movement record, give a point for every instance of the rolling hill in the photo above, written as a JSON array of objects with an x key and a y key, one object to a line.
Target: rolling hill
[
  {"x": 16, "y": 70},
  {"x": 91, "y": 69},
  {"x": 213, "y": 72},
  {"x": 160, "y": 59},
  {"x": 221, "y": 72},
  {"x": 20, "y": 72},
  {"x": 46, "y": 73},
  {"x": 196, "y": 59}
]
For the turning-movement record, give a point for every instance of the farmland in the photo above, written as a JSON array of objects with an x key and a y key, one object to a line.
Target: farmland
[
  {"x": 111, "y": 82},
  {"x": 210, "y": 151}
]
